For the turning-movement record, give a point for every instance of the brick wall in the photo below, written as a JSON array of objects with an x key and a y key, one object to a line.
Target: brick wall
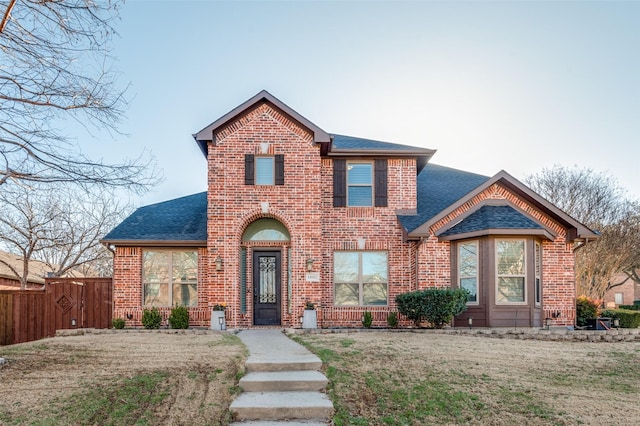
[{"x": 304, "y": 204}]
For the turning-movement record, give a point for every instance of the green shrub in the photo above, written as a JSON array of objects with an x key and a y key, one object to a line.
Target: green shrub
[
  {"x": 628, "y": 318},
  {"x": 634, "y": 307},
  {"x": 367, "y": 319},
  {"x": 151, "y": 318},
  {"x": 179, "y": 317},
  {"x": 586, "y": 309},
  {"x": 437, "y": 306},
  {"x": 392, "y": 319},
  {"x": 118, "y": 323}
]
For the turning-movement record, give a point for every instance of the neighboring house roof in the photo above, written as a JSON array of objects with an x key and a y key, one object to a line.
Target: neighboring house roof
[
  {"x": 206, "y": 135},
  {"x": 182, "y": 221},
  {"x": 438, "y": 187},
  {"x": 38, "y": 270},
  {"x": 490, "y": 219}
]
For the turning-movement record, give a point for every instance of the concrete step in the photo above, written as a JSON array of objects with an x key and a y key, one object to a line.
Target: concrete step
[
  {"x": 314, "y": 406},
  {"x": 257, "y": 364},
  {"x": 283, "y": 381}
]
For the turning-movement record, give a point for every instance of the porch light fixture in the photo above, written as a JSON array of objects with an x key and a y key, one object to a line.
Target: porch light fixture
[
  {"x": 547, "y": 322},
  {"x": 616, "y": 322},
  {"x": 310, "y": 264},
  {"x": 470, "y": 322},
  {"x": 218, "y": 263}
]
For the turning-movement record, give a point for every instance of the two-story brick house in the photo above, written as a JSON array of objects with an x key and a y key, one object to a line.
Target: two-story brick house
[{"x": 294, "y": 214}]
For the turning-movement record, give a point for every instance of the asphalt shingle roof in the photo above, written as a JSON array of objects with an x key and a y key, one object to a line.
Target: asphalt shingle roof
[
  {"x": 180, "y": 219},
  {"x": 492, "y": 217},
  {"x": 438, "y": 187},
  {"x": 353, "y": 143}
]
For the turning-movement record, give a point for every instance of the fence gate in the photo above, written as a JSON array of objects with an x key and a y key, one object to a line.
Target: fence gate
[
  {"x": 78, "y": 303},
  {"x": 65, "y": 303}
]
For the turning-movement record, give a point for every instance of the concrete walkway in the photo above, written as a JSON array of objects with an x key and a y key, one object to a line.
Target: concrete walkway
[{"x": 283, "y": 384}]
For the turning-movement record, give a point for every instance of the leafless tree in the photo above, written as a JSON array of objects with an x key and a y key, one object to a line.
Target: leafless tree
[
  {"x": 598, "y": 201},
  {"x": 59, "y": 226},
  {"x": 55, "y": 67}
]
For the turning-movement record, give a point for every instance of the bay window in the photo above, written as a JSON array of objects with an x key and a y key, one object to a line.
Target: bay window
[
  {"x": 468, "y": 269},
  {"x": 510, "y": 271}
]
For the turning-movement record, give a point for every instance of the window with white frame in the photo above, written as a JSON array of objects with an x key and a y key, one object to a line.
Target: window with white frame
[
  {"x": 538, "y": 266},
  {"x": 468, "y": 269},
  {"x": 359, "y": 184},
  {"x": 510, "y": 271},
  {"x": 170, "y": 278},
  {"x": 360, "y": 278},
  {"x": 618, "y": 298}
]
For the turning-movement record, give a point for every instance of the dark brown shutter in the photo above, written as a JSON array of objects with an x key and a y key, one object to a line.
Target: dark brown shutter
[
  {"x": 279, "y": 163},
  {"x": 249, "y": 169},
  {"x": 339, "y": 183},
  {"x": 380, "y": 189}
]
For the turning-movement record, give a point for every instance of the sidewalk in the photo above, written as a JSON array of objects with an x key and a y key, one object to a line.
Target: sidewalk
[{"x": 283, "y": 383}]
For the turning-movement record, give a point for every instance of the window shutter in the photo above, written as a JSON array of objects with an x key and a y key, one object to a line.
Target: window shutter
[
  {"x": 339, "y": 183},
  {"x": 279, "y": 160},
  {"x": 380, "y": 189},
  {"x": 249, "y": 169}
]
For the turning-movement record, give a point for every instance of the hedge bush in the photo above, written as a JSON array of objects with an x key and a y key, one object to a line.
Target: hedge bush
[
  {"x": 634, "y": 307},
  {"x": 392, "y": 319},
  {"x": 586, "y": 309},
  {"x": 628, "y": 318},
  {"x": 436, "y": 306},
  {"x": 151, "y": 318},
  {"x": 118, "y": 323},
  {"x": 367, "y": 319},
  {"x": 179, "y": 317}
]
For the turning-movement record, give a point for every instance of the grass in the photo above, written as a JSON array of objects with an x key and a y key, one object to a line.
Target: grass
[
  {"x": 127, "y": 401},
  {"x": 374, "y": 383}
]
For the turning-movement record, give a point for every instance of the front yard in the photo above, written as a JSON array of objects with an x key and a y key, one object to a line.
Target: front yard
[{"x": 376, "y": 378}]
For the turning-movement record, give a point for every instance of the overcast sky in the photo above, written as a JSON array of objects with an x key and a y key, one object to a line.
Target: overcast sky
[{"x": 518, "y": 86}]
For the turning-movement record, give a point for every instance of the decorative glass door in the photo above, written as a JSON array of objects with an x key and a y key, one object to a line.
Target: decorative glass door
[{"x": 266, "y": 287}]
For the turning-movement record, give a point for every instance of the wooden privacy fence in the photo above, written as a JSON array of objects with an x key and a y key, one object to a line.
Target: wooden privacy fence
[{"x": 64, "y": 303}]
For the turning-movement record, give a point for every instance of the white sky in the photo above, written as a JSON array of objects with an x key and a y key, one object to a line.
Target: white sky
[{"x": 517, "y": 86}]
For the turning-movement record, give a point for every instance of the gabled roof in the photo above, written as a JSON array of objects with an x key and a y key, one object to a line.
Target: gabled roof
[
  {"x": 494, "y": 219},
  {"x": 576, "y": 230},
  {"x": 345, "y": 146},
  {"x": 206, "y": 135},
  {"x": 438, "y": 187},
  {"x": 182, "y": 221}
]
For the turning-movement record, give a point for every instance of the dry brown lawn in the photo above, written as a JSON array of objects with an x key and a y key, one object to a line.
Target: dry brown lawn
[
  {"x": 376, "y": 378},
  {"x": 41, "y": 377},
  {"x": 428, "y": 378}
]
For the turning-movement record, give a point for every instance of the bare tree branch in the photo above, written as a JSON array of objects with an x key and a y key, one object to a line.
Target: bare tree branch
[
  {"x": 54, "y": 67},
  {"x": 596, "y": 200}
]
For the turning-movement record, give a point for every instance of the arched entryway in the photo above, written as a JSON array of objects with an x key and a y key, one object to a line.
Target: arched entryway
[{"x": 266, "y": 238}]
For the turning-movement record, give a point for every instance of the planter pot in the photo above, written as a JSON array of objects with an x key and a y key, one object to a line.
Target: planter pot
[
  {"x": 218, "y": 321},
  {"x": 310, "y": 318}
]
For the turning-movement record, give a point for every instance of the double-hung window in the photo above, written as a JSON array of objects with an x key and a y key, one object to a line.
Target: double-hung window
[
  {"x": 170, "y": 278},
  {"x": 359, "y": 184},
  {"x": 510, "y": 271},
  {"x": 468, "y": 269},
  {"x": 264, "y": 170},
  {"x": 360, "y": 278}
]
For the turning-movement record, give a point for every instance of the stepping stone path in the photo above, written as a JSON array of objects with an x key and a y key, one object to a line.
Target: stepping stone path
[{"x": 283, "y": 384}]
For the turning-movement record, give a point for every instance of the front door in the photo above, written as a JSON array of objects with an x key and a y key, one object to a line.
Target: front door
[{"x": 266, "y": 287}]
